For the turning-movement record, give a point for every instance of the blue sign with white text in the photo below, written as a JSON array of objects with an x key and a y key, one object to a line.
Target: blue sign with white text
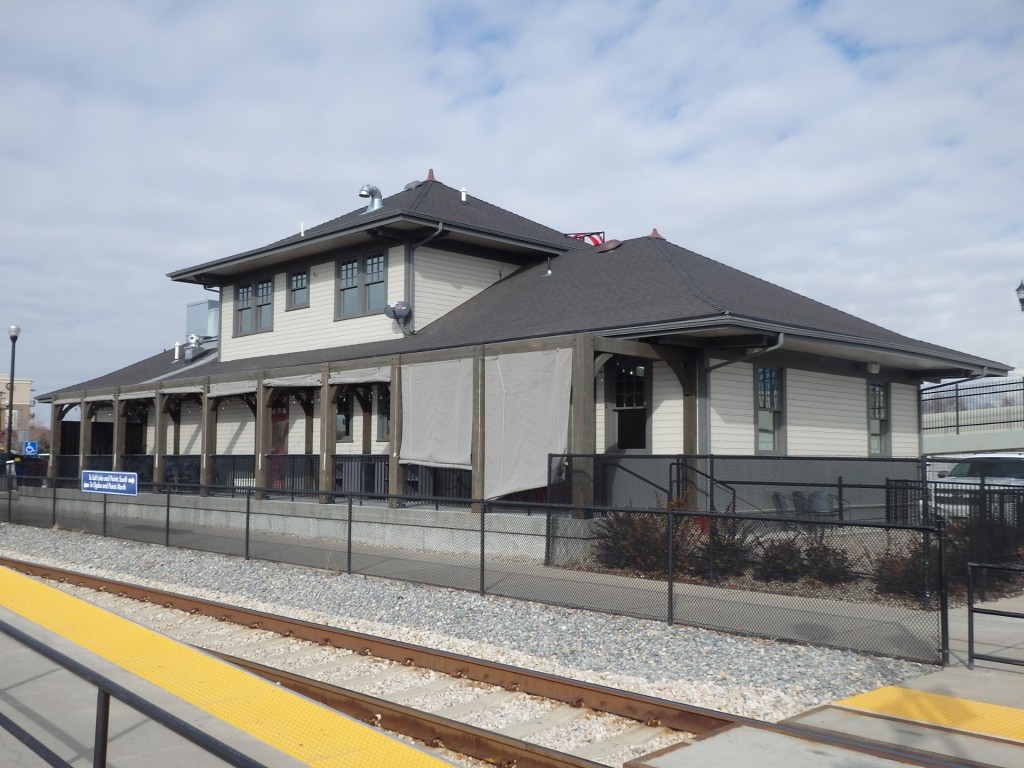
[{"x": 121, "y": 483}]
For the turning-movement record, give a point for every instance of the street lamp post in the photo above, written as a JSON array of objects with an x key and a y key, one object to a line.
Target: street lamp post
[{"x": 14, "y": 332}]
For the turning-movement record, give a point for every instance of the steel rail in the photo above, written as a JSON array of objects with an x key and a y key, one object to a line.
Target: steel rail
[
  {"x": 635, "y": 706},
  {"x": 439, "y": 731}
]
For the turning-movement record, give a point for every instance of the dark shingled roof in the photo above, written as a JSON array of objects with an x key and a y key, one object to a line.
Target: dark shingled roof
[{"x": 645, "y": 281}]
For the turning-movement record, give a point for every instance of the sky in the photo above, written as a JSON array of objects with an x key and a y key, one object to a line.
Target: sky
[{"x": 868, "y": 154}]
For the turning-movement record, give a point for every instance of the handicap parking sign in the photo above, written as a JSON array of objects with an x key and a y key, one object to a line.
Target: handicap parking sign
[{"x": 30, "y": 448}]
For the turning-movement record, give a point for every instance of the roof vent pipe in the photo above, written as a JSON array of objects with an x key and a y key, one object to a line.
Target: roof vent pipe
[{"x": 372, "y": 192}]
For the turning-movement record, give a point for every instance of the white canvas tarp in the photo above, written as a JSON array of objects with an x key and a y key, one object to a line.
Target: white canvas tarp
[
  {"x": 526, "y": 417},
  {"x": 437, "y": 414},
  {"x": 229, "y": 388},
  {"x": 379, "y": 374},
  {"x": 304, "y": 380}
]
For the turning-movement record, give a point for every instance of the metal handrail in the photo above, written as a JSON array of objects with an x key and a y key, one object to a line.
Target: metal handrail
[
  {"x": 107, "y": 688},
  {"x": 972, "y": 611}
]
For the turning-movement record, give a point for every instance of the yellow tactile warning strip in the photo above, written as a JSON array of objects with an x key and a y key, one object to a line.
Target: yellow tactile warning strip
[
  {"x": 291, "y": 724},
  {"x": 940, "y": 710}
]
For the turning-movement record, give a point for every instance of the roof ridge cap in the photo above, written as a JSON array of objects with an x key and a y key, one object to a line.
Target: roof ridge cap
[{"x": 663, "y": 248}]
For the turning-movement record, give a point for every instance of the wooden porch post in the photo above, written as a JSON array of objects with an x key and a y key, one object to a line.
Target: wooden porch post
[
  {"x": 327, "y": 426},
  {"x": 261, "y": 437},
  {"x": 84, "y": 434},
  {"x": 584, "y": 433},
  {"x": 208, "y": 440},
  {"x": 57, "y": 414},
  {"x": 159, "y": 434},
  {"x": 120, "y": 426},
  {"x": 396, "y": 474}
]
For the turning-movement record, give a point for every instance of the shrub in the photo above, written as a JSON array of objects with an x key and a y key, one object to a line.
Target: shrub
[
  {"x": 828, "y": 564},
  {"x": 726, "y": 549},
  {"x": 780, "y": 560},
  {"x": 899, "y": 570},
  {"x": 638, "y": 541}
]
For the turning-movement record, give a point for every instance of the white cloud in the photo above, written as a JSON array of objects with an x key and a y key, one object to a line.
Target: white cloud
[{"x": 868, "y": 155}]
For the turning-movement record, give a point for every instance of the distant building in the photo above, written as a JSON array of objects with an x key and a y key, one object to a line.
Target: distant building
[
  {"x": 22, "y": 411},
  {"x": 437, "y": 342}
]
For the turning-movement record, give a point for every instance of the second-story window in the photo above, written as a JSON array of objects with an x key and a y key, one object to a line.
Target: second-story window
[
  {"x": 362, "y": 285},
  {"x": 254, "y": 307},
  {"x": 298, "y": 289}
]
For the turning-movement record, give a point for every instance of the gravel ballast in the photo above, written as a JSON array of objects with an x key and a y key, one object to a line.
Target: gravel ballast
[{"x": 744, "y": 676}]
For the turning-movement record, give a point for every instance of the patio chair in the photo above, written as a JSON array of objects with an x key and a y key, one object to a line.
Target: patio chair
[
  {"x": 824, "y": 504},
  {"x": 802, "y": 504},
  {"x": 782, "y": 504}
]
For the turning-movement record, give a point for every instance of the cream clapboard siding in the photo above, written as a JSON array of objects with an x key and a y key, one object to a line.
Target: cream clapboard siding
[
  {"x": 904, "y": 429},
  {"x": 236, "y": 428},
  {"x": 355, "y": 445},
  {"x": 312, "y": 327},
  {"x": 445, "y": 280},
  {"x": 190, "y": 431},
  {"x": 826, "y": 415},
  {"x": 666, "y": 411},
  {"x": 732, "y": 409}
]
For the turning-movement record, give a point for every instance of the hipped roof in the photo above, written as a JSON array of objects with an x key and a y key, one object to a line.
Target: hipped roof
[{"x": 647, "y": 288}]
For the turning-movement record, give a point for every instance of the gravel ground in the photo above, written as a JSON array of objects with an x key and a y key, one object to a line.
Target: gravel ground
[{"x": 755, "y": 678}]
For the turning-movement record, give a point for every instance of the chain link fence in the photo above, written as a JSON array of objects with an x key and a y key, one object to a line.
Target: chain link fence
[{"x": 868, "y": 586}]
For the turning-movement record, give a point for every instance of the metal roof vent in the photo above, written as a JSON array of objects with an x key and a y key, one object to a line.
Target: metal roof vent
[{"x": 372, "y": 192}]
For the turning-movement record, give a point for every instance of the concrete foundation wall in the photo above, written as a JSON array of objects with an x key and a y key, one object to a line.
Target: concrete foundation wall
[{"x": 418, "y": 529}]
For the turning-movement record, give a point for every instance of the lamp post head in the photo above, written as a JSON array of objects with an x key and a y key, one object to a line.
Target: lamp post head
[
  {"x": 14, "y": 332},
  {"x": 1020, "y": 295}
]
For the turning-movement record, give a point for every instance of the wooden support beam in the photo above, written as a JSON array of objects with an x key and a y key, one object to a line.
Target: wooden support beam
[
  {"x": 583, "y": 438},
  {"x": 396, "y": 474},
  {"x": 328, "y": 394},
  {"x": 208, "y": 441}
]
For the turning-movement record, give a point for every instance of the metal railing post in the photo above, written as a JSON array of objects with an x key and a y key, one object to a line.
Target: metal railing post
[
  {"x": 99, "y": 747},
  {"x": 670, "y": 610},
  {"x": 943, "y": 592},
  {"x": 248, "y": 520},
  {"x": 970, "y": 616},
  {"x": 483, "y": 546},
  {"x": 104, "y": 515},
  {"x": 348, "y": 544}
]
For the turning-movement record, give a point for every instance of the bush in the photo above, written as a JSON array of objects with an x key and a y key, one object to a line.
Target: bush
[
  {"x": 899, "y": 570},
  {"x": 828, "y": 564},
  {"x": 781, "y": 560},
  {"x": 638, "y": 541},
  {"x": 726, "y": 550}
]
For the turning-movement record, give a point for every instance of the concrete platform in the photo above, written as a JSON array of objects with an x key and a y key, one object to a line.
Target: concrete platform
[
  {"x": 263, "y": 723},
  {"x": 955, "y": 716}
]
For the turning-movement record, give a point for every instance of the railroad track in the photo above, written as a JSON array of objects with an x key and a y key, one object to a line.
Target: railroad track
[
  {"x": 295, "y": 653},
  {"x": 291, "y": 651}
]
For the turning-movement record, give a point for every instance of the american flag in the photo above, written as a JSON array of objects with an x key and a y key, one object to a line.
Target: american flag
[{"x": 594, "y": 238}]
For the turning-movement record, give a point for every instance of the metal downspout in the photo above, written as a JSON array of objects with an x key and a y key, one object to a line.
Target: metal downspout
[{"x": 410, "y": 284}]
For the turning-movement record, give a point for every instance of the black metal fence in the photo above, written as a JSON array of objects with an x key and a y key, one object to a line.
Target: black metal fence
[
  {"x": 999, "y": 578},
  {"x": 869, "y": 586},
  {"x": 972, "y": 406},
  {"x": 829, "y": 487}
]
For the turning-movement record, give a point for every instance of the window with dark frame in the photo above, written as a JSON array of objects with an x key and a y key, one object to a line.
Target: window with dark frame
[
  {"x": 769, "y": 402},
  {"x": 361, "y": 285},
  {"x": 298, "y": 289},
  {"x": 630, "y": 404},
  {"x": 878, "y": 419},
  {"x": 254, "y": 307}
]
